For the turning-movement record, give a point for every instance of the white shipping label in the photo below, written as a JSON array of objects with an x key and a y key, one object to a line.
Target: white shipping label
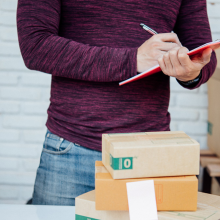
[{"x": 142, "y": 200}]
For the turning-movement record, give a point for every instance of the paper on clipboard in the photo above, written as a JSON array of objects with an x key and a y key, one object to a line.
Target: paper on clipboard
[{"x": 157, "y": 68}]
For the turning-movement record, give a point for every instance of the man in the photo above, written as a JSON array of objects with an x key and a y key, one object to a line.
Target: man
[{"x": 88, "y": 47}]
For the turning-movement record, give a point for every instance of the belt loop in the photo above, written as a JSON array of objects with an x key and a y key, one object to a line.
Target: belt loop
[{"x": 59, "y": 143}]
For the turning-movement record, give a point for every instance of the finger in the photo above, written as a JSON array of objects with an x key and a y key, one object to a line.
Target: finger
[
  {"x": 162, "y": 65},
  {"x": 165, "y": 46},
  {"x": 183, "y": 57},
  {"x": 168, "y": 64},
  {"x": 175, "y": 61},
  {"x": 169, "y": 37}
]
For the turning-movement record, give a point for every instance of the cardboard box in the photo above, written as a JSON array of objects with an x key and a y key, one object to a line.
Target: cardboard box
[
  {"x": 172, "y": 193},
  {"x": 214, "y": 109},
  {"x": 150, "y": 154},
  {"x": 208, "y": 208}
]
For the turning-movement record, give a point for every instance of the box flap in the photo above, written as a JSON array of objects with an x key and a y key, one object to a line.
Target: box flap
[{"x": 90, "y": 196}]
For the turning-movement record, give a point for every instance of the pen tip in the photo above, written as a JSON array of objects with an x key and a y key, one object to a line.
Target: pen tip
[{"x": 141, "y": 24}]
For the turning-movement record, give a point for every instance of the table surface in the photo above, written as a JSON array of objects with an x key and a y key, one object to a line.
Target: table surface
[{"x": 36, "y": 212}]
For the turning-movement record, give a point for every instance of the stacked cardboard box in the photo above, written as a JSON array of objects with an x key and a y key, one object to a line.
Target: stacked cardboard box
[
  {"x": 208, "y": 208},
  {"x": 172, "y": 193},
  {"x": 150, "y": 154},
  {"x": 171, "y": 159}
]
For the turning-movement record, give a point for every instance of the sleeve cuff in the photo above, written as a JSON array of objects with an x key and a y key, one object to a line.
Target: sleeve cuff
[{"x": 191, "y": 85}]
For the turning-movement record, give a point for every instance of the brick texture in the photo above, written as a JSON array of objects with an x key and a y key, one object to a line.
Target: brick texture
[{"x": 24, "y": 99}]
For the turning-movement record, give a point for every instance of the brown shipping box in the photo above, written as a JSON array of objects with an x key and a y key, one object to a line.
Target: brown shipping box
[
  {"x": 214, "y": 109},
  {"x": 208, "y": 208},
  {"x": 172, "y": 193},
  {"x": 150, "y": 154}
]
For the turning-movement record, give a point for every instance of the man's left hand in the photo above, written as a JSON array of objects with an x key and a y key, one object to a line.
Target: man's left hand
[{"x": 176, "y": 63}]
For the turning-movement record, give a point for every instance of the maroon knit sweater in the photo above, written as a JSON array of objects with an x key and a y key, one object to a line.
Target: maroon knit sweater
[{"x": 89, "y": 46}]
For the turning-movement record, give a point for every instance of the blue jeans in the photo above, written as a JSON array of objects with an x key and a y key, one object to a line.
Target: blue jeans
[{"x": 66, "y": 171}]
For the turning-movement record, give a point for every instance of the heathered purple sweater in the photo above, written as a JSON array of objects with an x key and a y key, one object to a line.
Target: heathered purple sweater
[{"x": 89, "y": 46}]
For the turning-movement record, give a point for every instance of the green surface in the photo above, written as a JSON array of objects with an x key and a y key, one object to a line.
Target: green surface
[
  {"x": 210, "y": 127},
  {"x": 80, "y": 217},
  {"x": 121, "y": 163}
]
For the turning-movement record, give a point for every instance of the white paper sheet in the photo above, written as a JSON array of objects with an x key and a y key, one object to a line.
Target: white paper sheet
[{"x": 142, "y": 200}]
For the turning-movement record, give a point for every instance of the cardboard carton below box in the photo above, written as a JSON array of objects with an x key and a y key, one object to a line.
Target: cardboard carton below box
[
  {"x": 172, "y": 193},
  {"x": 150, "y": 154},
  {"x": 208, "y": 208}
]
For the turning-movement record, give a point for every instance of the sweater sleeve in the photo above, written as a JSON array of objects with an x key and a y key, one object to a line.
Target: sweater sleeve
[
  {"x": 193, "y": 30},
  {"x": 44, "y": 50}
]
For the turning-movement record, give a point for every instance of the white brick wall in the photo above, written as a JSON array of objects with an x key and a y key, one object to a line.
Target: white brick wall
[{"x": 24, "y": 99}]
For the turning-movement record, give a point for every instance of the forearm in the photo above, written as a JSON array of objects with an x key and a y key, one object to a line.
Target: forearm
[
  {"x": 43, "y": 50},
  {"x": 66, "y": 58}
]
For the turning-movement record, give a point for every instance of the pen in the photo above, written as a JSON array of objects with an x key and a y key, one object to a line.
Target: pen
[{"x": 148, "y": 29}]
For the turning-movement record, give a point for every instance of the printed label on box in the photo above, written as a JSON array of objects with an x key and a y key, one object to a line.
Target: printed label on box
[
  {"x": 210, "y": 126},
  {"x": 121, "y": 163},
  {"x": 80, "y": 217}
]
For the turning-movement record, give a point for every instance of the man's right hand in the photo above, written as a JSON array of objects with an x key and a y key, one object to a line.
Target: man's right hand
[{"x": 154, "y": 48}]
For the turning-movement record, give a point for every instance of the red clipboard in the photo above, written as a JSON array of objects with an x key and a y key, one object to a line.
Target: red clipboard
[{"x": 157, "y": 68}]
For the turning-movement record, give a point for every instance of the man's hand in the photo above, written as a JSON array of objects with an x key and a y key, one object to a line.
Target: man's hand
[
  {"x": 154, "y": 48},
  {"x": 176, "y": 63}
]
